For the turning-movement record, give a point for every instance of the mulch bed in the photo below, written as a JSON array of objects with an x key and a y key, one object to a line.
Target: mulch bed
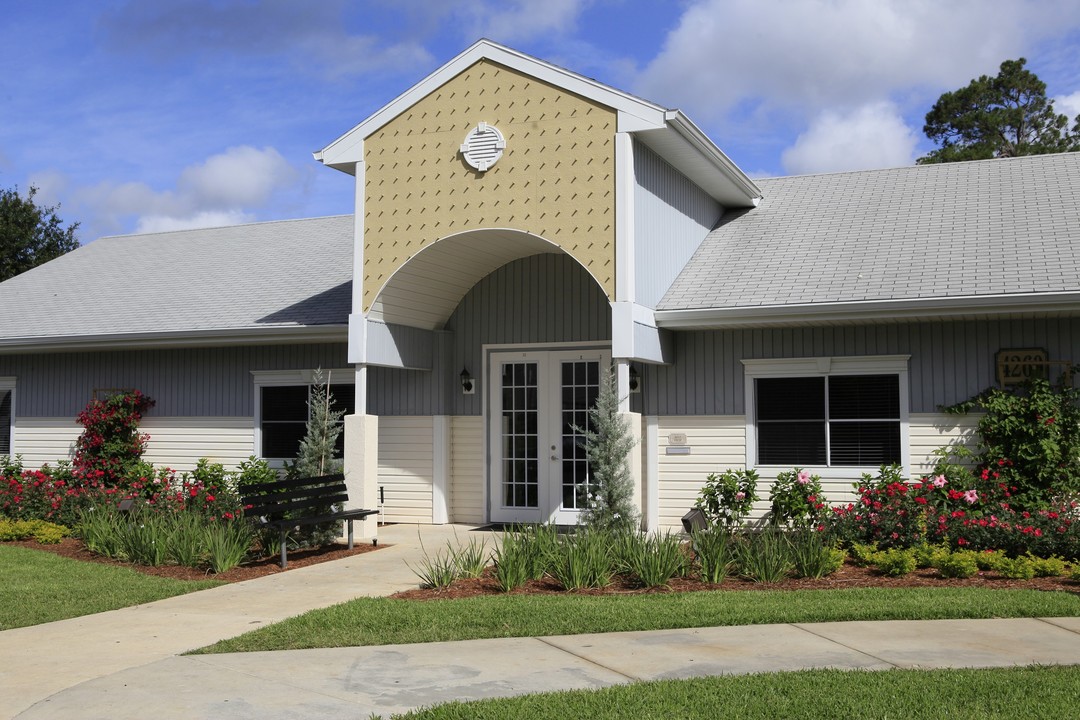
[
  {"x": 849, "y": 576},
  {"x": 75, "y": 549}
]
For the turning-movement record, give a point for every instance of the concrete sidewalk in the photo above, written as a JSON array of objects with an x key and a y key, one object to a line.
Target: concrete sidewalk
[
  {"x": 126, "y": 663},
  {"x": 359, "y": 681},
  {"x": 39, "y": 661}
]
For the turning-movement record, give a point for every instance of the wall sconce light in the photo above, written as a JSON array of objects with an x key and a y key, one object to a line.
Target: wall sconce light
[
  {"x": 635, "y": 380},
  {"x": 468, "y": 387}
]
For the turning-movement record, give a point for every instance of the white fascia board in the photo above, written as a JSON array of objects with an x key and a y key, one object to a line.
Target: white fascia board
[
  {"x": 175, "y": 339},
  {"x": 342, "y": 152},
  {"x": 868, "y": 311},
  {"x": 694, "y": 136}
]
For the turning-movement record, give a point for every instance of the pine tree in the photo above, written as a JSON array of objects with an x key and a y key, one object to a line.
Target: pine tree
[
  {"x": 608, "y": 442},
  {"x": 317, "y": 449}
]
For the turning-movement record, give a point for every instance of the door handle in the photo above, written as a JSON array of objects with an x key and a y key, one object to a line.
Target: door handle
[{"x": 555, "y": 457}]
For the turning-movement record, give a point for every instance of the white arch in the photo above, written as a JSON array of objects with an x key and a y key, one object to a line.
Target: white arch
[{"x": 426, "y": 289}]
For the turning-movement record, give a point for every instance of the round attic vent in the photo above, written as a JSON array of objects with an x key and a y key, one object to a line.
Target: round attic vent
[{"x": 483, "y": 146}]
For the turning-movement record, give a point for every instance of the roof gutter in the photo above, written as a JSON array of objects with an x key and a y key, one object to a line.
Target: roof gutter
[
  {"x": 176, "y": 339},
  {"x": 869, "y": 311}
]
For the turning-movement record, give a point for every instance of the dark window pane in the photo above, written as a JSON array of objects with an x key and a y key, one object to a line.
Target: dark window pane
[
  {"x": 344, "y": 397},
  {"x": 864, "y": 443},
  {"x": 864, "y": 397},
  {"x": 791, "y": 443},
  {"x": 281, "y": 440},
  {"x": 791, "y": 398},
  {"x": 285, "y": 403}
]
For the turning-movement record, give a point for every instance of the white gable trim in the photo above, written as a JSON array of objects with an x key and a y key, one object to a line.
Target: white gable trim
[{"x": 637, "y": 113}]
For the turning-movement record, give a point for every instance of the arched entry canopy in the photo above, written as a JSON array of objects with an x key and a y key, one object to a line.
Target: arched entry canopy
[{"x": 418, "y": 299}]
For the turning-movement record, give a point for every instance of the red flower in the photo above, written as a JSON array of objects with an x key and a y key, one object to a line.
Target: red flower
[
  {"x": 193, "y": 491},
  {"x": 920, "y": 500}
]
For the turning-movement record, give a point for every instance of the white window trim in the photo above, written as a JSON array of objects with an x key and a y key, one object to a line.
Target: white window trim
[
  {"x": 822, "y": 367},
  {"x": 279, "y": 378},
  {"x": 8, "y": 383}
]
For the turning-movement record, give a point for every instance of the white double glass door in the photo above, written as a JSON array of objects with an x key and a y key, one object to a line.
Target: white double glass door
[{"x": 538, "y": 406}]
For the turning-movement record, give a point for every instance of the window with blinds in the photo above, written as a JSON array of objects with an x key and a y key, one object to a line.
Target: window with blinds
[
  {"x": 832, "y": 420},
  {"x": 284, "y": 416},
  {"x": 5, "y": 422}
]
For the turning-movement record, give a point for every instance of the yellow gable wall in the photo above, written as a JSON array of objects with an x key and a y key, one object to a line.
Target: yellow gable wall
[{"x": 555, "y": 179}]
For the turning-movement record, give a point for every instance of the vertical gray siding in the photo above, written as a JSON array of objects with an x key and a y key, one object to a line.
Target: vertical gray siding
[
  {"x": 672, "y": 216},
  {"x": 538, "y": 299},
  {"x": 212, "y": 382},
  {"x": 950, "y": 361}
]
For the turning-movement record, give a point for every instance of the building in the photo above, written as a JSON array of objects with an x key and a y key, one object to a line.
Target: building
[{"x": 518, "y": 228}]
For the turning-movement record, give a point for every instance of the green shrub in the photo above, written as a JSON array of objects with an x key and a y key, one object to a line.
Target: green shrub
[
  {"x": 1049, "y": 567},
  {"x": 714, "y": 550},
  {"x": 895, "y": 562},
  {"x": 862, "y": 554},
  {"x": 963, "y": 564},
  {"x": 111, "y": 446},
  {"x": 1029, "y": 440},
  {"x": 512, "y": 563},
  {"x": 796, "y": 499},
  {"x": 470, "y": 560},
  {"x": 988, "y": 559},
  {"x": 729, "y": 497},
  {"x": 583, "y": 560},
  {"x": 1075, "y": 573},
  {"x": 764, "y": 556},
  {"x": 812, "y": 555},
  {"x": 228, "y": 543},
  {"x": 187, "y": 543},
  {"x": 657, "y": 559},
  {"x": 927, "y": 555},
  {"x": 46, "y": 533},
  {"x": 1018, "y": 568}
]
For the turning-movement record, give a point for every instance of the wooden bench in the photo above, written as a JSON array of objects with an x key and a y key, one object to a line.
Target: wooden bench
[{"x": 269, "y": 504}]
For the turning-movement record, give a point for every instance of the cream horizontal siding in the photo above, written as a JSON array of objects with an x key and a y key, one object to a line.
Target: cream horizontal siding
[
  {"x": 930, "y": 431},
  {"x": 179, "y": 442},
  {"x": 175, "y": 442},
  {"x": 717, "y": 442},
  {"x": 406, "y": 468},
  {"x": 467, "y": 469},
  {"x": 44, "y": 440}
]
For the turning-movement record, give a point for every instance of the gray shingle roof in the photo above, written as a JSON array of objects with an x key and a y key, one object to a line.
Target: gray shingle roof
[
  {"x": 926, "y": 232},
  {"x": 286, "y": 274}
]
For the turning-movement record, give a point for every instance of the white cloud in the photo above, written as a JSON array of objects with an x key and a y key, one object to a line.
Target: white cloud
[
  {"x": 224, "y": 189},
  {"x": 208, "y": 218},
  {"x": 518, "y": 20},
  {"x": 871, "y": 136},
  {"x": 816, "y": 54},
  {"x": 1069, "y": 105}
]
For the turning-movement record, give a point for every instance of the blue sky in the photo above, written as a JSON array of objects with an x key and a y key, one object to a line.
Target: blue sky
[{"x": 141, "y": 115}]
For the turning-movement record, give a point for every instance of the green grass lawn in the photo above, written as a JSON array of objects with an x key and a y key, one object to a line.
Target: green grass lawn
[
  {"x": 38, "y": 587},
  {"x": 381, "y": 621},
  {"x": 1030, "y": 692}
]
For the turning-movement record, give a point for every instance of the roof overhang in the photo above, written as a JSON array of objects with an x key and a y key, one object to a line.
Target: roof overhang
[
  {"x": 176, "y": 339},
  {"x": 668, "y": 132},
  {"x": 873, "y": 311}
]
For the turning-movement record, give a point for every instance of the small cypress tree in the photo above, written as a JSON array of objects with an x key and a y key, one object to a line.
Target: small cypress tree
[
  {"x": 316, "y": 457},
  {"x": 608, "y": 442},
  {"x": 317, "y": 449}
]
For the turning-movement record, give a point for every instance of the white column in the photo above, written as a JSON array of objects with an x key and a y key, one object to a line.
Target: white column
[
  {"x": 650, "y": 515},
  {"x": 362, "y": 469},
  {"x": 440, "y": 466}
]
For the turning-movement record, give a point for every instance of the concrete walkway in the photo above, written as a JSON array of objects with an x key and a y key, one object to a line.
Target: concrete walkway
[{"x": 125, "y": 664}]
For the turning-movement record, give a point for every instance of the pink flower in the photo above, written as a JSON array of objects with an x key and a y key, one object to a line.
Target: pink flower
[
  {"x": 971, "y": 497},
  {"x": 740, "y": 495},
  {"x": 804, "y": 477},
  {"x": 939, "y": 481}
]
